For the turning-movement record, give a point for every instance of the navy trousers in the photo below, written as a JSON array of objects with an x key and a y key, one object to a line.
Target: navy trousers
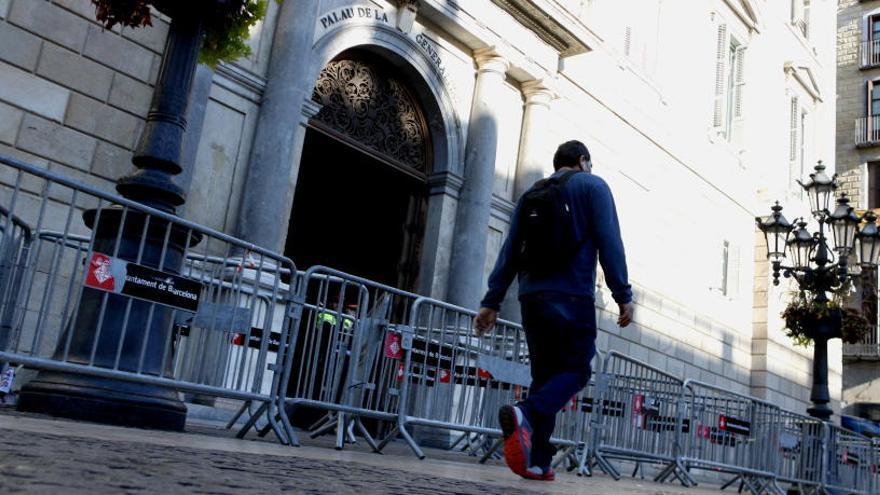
[{"x": 561, "y": 333}]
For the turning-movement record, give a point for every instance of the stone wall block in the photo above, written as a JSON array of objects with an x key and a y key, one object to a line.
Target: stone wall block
[
  {"x": 53, "y": 22},
  {"x": 55, "y": 142},
  {"x": 111, "y": 162},
  {"x": 69, "y": 69},
  {"x": 130, "y": 94},
  {"x": 10, "y": 121},
  {"x": 150, "y": 37},
  {"x": 19, "y": 47},
  {"x": 93, "y": 117},
  {"x": 115, "y": 51},
  {"x": 25, "y": 90}
]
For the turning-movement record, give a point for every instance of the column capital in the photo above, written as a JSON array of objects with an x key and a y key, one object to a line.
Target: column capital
[
  {"x": 489, "y": 60},
  {"x": 538, "y": 92}
]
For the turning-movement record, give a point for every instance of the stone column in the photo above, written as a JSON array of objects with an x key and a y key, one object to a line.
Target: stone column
[
  {"x": 535, "y": 158},
  {"x": 275, "y": 153},
  {"x": 472, "y": 219}
]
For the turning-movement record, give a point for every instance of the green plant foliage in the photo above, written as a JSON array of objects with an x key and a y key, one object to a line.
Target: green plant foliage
[
  {"x": 227, "y": 22},
  {"x": 803, "y": 313}
]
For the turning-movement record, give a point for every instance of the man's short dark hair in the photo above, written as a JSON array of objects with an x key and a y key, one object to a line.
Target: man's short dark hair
[{"x": 569, "y": 154}]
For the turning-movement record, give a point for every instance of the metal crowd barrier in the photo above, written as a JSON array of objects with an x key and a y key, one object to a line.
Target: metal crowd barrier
[
  {"x": 453, "y": 380},
  {"x": 130, "y": 278},
  {"x": 636, "y": 417},
  {"x": 796, "y": 450},
  {"x": 344, "y": 356},
  {"x": 358, "y": 354},
  {"x": 728, "y": 433},
  {"x": 850, "y": 464}
]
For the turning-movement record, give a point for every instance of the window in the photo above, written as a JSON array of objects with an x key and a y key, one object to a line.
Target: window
[
  {"x": 795, "y": 144},
  {"x": 874, "y": 98},
  {"x": 730, "y": 267},
  {"x": 873, "y": 185},
  {"x": 800, "y": 16},
  {"x": 729, "y": 82},
  {"x": 874, "y": 28}
]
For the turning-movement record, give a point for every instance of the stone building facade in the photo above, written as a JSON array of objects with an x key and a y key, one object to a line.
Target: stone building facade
[
  {"x": 858, "y": 162},
  {"x": 393, "y": 138}
]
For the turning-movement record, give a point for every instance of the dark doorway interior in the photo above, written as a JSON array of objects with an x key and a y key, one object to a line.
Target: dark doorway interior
[{"x": 355, "y": 213}]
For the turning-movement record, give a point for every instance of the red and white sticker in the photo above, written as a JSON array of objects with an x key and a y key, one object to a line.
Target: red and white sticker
[
  {"x": 399, "y": 372},
  {"x": 99, "y": 274},
  {"x": 639, "y": 411},
  {"x": 444, "y": 376},
  {"x": 484, "y": 374},
  {"x": 393, "y": 349}
]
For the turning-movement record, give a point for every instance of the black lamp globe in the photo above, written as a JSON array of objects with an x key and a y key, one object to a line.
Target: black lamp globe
[
  {"x": 869, "y": 241},
  {"x": 844, "y": 223},
  {"x": 800, "y": 246},
  {"x": 819, "y": 189},
  {"x": 776, "y": 230}
]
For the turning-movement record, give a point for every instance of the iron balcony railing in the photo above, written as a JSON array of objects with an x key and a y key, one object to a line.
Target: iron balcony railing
[
  {"x": 868, "y": 348},
  {"x": 869, "y": 54},
  {"x": 867, "y": 131}
]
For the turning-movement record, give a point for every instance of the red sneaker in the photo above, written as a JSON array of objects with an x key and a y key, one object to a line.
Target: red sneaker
[
  {"x": 536, "y": 473},
  {"x": 517, "y": 438}
]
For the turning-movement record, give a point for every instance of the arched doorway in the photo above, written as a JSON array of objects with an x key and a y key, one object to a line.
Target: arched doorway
[{"x": 361, "y": 192}]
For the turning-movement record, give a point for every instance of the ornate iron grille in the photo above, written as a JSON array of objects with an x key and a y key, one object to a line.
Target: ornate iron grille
[{"x": 363, "y": 102}]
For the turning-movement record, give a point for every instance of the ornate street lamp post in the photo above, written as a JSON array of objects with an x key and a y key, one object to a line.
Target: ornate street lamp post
[
  {"x": 98, "y": 335},
  {"x": 818, "y": 267}
]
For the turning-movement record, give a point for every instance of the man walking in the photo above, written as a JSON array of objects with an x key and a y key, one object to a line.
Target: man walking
[{"x": 559, "y": 229}]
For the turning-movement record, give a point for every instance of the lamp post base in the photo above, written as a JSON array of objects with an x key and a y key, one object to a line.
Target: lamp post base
[
  {"x": 103, "y": 400},
  {"x": 820, "y": 411}
]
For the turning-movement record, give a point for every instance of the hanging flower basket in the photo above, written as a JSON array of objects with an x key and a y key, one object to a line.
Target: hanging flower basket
[
  {"x": 806, "y": 321},
  {"x": 227, "y": 22}
]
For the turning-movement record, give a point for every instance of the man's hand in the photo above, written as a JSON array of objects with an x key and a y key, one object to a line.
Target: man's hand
[
  {"x": 626, "y": 314},
  {"x": 485, "y": 321}
]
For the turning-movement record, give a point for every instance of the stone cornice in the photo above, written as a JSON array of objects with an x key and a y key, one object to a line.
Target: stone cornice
[
  {"x": 249, "y": 85},
  {"x": 565, "y": 33}
]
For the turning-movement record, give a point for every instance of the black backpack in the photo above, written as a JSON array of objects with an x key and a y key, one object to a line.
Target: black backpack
[{"x": 546, "y": 241}]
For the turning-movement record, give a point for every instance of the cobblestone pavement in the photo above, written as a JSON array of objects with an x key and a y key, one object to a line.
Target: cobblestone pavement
[{"x": 39, "y": 455}]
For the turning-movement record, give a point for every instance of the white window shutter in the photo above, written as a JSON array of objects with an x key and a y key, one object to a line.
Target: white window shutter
[
  {"x": 734, "y": 262},
  {"x": 797, "y": 10},
  {"x": 739, "y": 81},
  {"x": 805, "y": 17},
  {"x": 720, "y": 73},
  {"x": 793, "y": 130},
  {"x": 794, "y": 144}
]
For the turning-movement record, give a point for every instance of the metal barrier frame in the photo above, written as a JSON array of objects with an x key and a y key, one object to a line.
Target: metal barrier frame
[{"x": 104, "y": 200}]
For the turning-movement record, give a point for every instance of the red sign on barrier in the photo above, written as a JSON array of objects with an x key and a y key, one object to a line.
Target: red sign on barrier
[
  {"x": 485, "y": 375},
  {"x": 638, "y": 411},
  {"x": 142, "y": 282},
  {"x": 393, "y": 349},
  {"x": 444, "y": 376}
]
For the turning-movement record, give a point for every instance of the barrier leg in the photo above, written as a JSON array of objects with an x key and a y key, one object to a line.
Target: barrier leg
[
  {"x": 288, "y": 428},
  {"x": 388, "y": 438},
  {"x": 241, "y": 410},
  {"x": 277, "y": 428},
  {"x": 326, "y": 427},
  {"x": 492, "y": 449},
  {"x": 369, "y": 438},
  {"x": 252, "y": 421},
  {"x": 409, "y": 440},
  {"x": 584, "y": 467},
  {"x": 340, "y": 431},
  {"x": 321, "y": 422}
]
